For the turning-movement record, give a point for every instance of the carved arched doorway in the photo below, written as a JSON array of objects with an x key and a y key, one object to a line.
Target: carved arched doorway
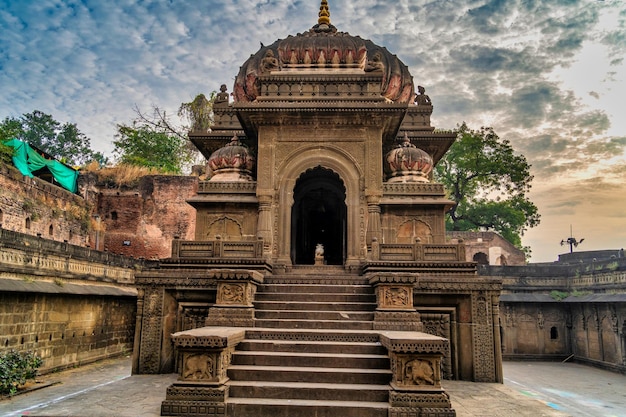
[{"x": 318, "y": 215}]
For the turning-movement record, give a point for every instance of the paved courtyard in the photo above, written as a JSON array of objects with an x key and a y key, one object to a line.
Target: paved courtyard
[{"x": 533, "y": 389}]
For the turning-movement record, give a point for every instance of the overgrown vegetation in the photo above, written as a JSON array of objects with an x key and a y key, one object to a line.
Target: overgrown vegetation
[
  {"x": 559, "y": 295},
  {"x": 122, "y": 175},
  {"x": 16, "y": 368}
]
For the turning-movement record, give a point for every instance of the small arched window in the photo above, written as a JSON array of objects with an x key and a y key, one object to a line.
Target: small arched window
[
  {"x": 51, "y": 230},
  {"x": 481, "y": 258},
  {"x": 27, "y": 223},
  {"x": 554, "y": 333},
  {"x": 114, "y": 215}
]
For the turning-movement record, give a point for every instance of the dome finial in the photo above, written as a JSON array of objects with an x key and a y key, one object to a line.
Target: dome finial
[{"x": 324, "y": 14}]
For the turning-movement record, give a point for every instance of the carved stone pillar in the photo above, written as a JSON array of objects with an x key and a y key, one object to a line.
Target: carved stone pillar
[
  {"x": 394, "y": 298},
  {"x": 374, "y": 226},
  {"x": 203, "y": 358},
  {"x": 264, "y": 227},
  {"x": 495, "y": 306},
  {"x": 416, "y": 389}
]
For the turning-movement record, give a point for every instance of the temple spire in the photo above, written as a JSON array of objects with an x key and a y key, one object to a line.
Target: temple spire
[{"x": 324, "y": 15}]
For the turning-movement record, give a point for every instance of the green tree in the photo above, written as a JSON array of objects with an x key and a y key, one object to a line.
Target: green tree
[
  {"x": 63, "y": 141},
  {"x": 141, "y": 145},
  {"x": 154, "y": 141},
  {"x": 488, "y": 183}
]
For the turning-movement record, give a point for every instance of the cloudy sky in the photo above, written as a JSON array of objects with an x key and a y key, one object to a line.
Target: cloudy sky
[{"x": 548, "y": 75}]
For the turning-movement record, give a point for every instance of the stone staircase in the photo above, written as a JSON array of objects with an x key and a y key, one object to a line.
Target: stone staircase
[{"x": 312, "y": 351}]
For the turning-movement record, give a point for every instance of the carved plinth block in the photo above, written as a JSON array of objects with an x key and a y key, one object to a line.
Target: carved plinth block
[
  {"x": 434, "y": 400},
  {"x": 421, "y": 412},
  {"x": 231, "y": 316},
  {"x": 193, "y": 409},
  {"x": 398, "y": 320},
  {"x": 188, "y": 399}
]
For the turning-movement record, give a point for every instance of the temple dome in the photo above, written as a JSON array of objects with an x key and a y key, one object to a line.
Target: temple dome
[
  {"x": 407, "y": 163},
  {"x": 233, "y": 162},
  {"x": 323, "y": 49}
]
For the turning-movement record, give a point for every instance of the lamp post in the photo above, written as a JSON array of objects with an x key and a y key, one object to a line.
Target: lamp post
[{"x": 571, "y": 241}]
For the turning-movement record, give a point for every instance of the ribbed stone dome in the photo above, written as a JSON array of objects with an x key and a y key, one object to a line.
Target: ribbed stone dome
[
  {"x": 233, "y": 162},
  {"x": 407, "y": 163},
  {"x": 321, "y": 49}
]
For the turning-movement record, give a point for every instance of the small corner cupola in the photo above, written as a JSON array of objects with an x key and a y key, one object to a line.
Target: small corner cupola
[
  {"x": 407, "y": 163},
  {"x": 232, "y": 163}
]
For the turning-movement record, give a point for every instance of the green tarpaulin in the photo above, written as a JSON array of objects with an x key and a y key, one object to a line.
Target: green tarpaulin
[{"x": 27, "y": 161}]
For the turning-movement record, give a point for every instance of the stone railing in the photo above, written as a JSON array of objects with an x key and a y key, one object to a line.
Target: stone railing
[
  {"x": 191, "y": 249},
  {"x": 414, "y": 252}
]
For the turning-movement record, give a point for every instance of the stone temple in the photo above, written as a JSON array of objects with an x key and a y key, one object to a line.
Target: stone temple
[{"x": 320, "y": 282}]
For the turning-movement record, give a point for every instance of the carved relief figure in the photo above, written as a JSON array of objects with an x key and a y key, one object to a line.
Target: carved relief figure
[
  {"x": 422, "y": 99},
  {"x": 540, "y": 320},
  {"x": 269, "y": 62},
  {"x": 199, "y": 366},
  {"x": 233, "y": 294},
  {"x": 419, "y": 372},
  {"x": 398, "y": 297}
]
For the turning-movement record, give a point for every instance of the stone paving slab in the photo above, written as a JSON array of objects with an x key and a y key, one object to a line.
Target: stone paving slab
[{"x": 106, "y": 389}]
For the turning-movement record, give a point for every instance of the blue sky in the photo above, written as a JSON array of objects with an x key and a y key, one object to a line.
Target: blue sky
[{"x": 548, "y": 75}]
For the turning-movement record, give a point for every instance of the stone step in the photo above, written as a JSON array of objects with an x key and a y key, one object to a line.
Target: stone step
[
  {"x": 309, "y": 391},
  {"x": 259, "y": 407},
  {"x": 312, "y": 347},
  {"x": 314, "y": 324},
  {"x": 317, "y": 315},
  {"x": 312, "y": 335},
  {"x": 317, "y": 297},
  {"x": 308, "y": 359},
  {"x": 309, "y": 374},
  {"x": 313, "y": 305},
  {"x": 342, "y": 280},
  {"x": 315, "y": 288}
]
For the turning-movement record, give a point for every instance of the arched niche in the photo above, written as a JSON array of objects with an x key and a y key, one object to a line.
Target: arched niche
[{"x": 341, "y": 164}]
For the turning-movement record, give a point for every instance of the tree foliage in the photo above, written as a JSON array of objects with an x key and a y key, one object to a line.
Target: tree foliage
[
  {"x": 489, "y": 184},
  {"x": 154, "y": 141},
  {"x": 62, "y": 141}
]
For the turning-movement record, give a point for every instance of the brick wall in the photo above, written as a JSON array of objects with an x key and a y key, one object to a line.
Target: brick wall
[
  {"x": 36, "y": 207},
  {"x": 143, "y": 221}
]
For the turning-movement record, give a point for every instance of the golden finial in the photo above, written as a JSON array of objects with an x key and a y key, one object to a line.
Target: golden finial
[{"x": 324, "y": 14}]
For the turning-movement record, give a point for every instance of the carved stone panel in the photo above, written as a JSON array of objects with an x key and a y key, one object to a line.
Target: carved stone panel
[
  {"x": 394, "y": 297},
  {"x": 199, "y": 367},
  {"x": 416, "y": 372}
]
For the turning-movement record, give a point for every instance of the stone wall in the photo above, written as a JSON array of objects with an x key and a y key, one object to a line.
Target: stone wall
[
  {"x": 37, "y": 207},
  {"x": 142, "y": 221},
  {"x": 69, "y": 304},
  {"x": 554, "y": 311},
  {"x": 489, "y": 248}
]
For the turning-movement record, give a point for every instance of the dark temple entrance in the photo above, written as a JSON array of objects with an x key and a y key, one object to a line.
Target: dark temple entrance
[{"x": 318, "y": 215}]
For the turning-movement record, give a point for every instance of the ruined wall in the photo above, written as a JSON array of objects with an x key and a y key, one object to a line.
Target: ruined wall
[
  {"x": 36, "y": 207},
  {"x": 142, "y": 221},
  {"x": 554, "y": 311}
]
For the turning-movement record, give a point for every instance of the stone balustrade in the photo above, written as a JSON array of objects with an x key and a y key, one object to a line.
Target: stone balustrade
[
  {"x": 417, "y": 251},
  {"x": 219, "y": 248}
]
